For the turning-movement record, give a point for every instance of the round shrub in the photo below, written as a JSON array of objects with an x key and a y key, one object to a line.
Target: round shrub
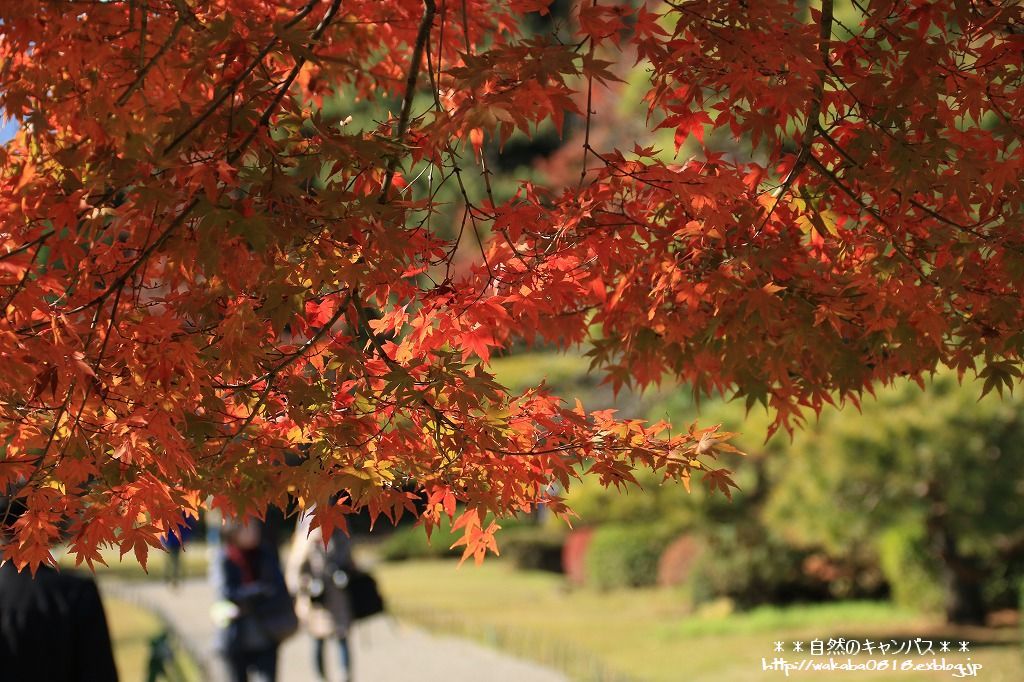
[
  {"x": 625, "y": 555},
  {"x": 913, "y": 580},
  {"x": 750, "y": 566}
]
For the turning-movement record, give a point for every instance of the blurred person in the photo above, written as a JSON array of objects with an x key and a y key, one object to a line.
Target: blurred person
[
  {"x": 319, "y": 576},
  {"x": 214, "y": 520},
  {"x": 255, "y": 611},
  {"x": 174, "y": 543},
  {"x": 52, "y": 625}
]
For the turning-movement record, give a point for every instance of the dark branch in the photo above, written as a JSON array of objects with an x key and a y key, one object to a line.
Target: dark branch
[
  {"x": 234, "y": 85},
  {"x": 429, "y": 9}
]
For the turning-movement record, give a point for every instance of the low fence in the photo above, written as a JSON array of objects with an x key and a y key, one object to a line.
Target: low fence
[{"x": 576, "y": 662}]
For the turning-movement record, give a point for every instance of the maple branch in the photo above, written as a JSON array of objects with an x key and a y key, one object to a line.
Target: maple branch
[
  {"x": 876, "y": 214},
  {"x": 279, "y": 368},
  {"x": 824, "y": 46},
  {"x": 41, "y": 239},
  {"x": 96, "y": 368},
  {"x": 270, "y": 376},
  {"x": 440, "y": 47},
  {"x": 996, "y": 107},
  {"x": 364, "y": 326},
  {"x": 705, "y": 21},
  {"x": 590, "y": 112},
  {"x": 184, "y": 214},
  {"x": 41, "y": 457},
  {"x": 186, "y": 13},
  {"x": 142, "y": 34},
  {"x": 838, "y": 182},
  {"x": 457, "y": 171},
  {"x": 141, "y": 76},
  {"x": 123, "y": 278},
  {"x": 465, "y": 27},
  {"x": 941, "y": 218},
  {"x": 299, "y": 63},
  {"x": 239, "y": 79},
  {"x": 969, "y": 229},
  {"x": 635, "y": 175},
  {"x": 813, "y": 113},
  {"x": 429, "y": 9},
  {"x": 23, "y": 280},
  {"x": 299, "y": 352}
]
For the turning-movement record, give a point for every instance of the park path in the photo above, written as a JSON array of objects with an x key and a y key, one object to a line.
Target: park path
[{"x": 384, "y": 650}]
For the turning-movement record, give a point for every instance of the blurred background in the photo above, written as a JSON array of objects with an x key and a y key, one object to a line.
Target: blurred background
[{"x": 898, "y": 521}]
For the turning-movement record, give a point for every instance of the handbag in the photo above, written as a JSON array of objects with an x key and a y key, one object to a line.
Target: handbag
[
  {"x": 276, "y": 616},
  {"x": 363, "y": 594},
  {"x": 247, "y": 634}
]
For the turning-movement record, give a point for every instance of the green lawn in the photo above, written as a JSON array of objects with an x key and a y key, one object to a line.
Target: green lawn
[
  {"x": 650, "y": 634},
  {"x": 526, "y": 370},
  {"x": 194, "y": 563}
]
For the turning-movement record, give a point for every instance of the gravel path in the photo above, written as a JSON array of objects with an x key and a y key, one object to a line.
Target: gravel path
[{"x": 384, "y": 650}]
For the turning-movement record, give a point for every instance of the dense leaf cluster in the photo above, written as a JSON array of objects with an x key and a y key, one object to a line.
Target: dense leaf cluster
[{"x": 210, "y": 288}]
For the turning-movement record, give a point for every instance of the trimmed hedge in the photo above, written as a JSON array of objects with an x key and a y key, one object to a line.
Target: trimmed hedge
[
  {"x": 410, "y": 542},
  {"x": 625, "y": 555},
  {"x": 518, "y": 536},
  {"x": 532, "y": 548}
]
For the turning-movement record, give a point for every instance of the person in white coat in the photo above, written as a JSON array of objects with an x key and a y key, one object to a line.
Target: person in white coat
[{"x": 318, "y": 576}]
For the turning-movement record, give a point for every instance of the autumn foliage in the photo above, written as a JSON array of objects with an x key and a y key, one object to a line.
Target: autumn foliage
[{"x": 211, "y": 289}]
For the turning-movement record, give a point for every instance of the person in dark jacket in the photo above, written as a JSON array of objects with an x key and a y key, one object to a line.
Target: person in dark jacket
[
  {"x": 255, "y": 611},
  {"x": 52, "y": 626}
]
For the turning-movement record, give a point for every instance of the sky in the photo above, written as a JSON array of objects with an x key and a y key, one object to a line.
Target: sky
[{"x": 7, "y": 130}]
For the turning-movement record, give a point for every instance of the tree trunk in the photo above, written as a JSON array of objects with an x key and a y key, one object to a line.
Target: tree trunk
[
  {"x": 961, "y": 577},
  {"x": 965, "y": 604}
]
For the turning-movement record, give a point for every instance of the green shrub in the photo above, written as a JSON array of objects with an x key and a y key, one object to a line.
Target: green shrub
[
  {"x": 748, "y": 564},
  {"x": 626, "y": 555},
  {"x": 410, "y": 542},
  {"x": 654, "y": 498},
  {"x": 903, "y": 554},
  {"x": 533, "y": 548}
]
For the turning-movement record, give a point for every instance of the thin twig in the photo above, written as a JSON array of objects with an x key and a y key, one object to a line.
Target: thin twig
[
  {"x": 233, "y": 86},
  {"x": 300, "y": 62},
  {"x": 141, "y": 76},
  {"x": 813, "y": 113},
  {"x": 429, "y": 9}
]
